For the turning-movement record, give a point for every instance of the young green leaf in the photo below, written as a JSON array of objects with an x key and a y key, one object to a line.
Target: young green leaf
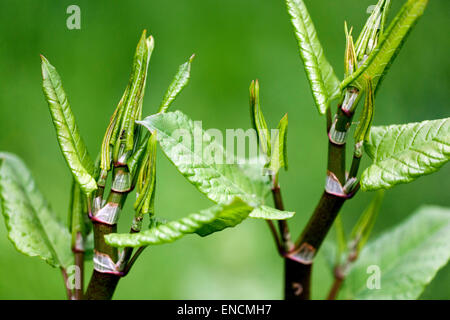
[
  {"x": 178, "y": 83},
  {"x": 323, "y": 81},
  {"x": 403, "y": 153},
  {"x": 350, "y": 61},
  {"x": 203, "y": 223},
  {"x": 374, "y": 27},
  {"x": 190, "y": 149},
  {"x": 32, "y": 226},
  {"x": 258, "y": 121},
  {"x": 135, "y": 159},
  {"x": 388, "y": 47},
  {"x": 406, "y": 258},
  {"x": 134, "y": 95},
  {"x": 79, "y": 224},
  {"x": 146, "y": 180},
  {"x": 69, "y": 138},
  {"x": 204, "y": 162},
  {"x": 278, "y": 158},
  {"x": 269, "y": 213},
  {"x": 361, "y": 231},
  {"x": 365, "y": 120}
]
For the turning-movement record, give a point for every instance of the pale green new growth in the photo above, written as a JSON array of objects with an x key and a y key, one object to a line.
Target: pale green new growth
[
  {"x": 69, "y": 138},
  {"x": 31, "y": 224},
  {"x": 278, "y": 157},
  {"x": 362, "y": 229},
  {"x": 389, "y": 45},
  {"x": 323, "y": 81},
  {"x": 258, "y": 121}
]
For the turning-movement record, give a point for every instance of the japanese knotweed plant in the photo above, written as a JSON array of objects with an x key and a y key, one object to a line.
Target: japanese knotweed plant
[
  {"x": 126, "y": 161},
  {"x": 409, "y": 255},
  {"x": 400, "y": 154}
]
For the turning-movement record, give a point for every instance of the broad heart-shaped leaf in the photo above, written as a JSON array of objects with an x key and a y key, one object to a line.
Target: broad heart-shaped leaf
[
  {"x": 201, "y": 158},
  {"x": 180, "y": 81},
  {"x": 408, "y": 257},
  {"x": 32, "y": 226},
  {"x": 402, "y": 153},
  {"x": 383, "y": 55},
  {"x": 203, "y": 223},
  {"x": 69, "y": 138},
  {"x": 323, "y": 81}
]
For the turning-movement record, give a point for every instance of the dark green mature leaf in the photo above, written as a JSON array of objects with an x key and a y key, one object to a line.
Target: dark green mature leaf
[
  {"x": 203, "y": 223},
  {"x": 323, "y": 81},
  {"x": 403, "y": 153},
  {"x": 178, "y": 83},
  {"x": 32, "y": 226},
  {"x": 69, "y": 138},
  {"x": 204, "y": 162},
  {"x": 408, "y": 257},
  {"x": 388, "y": 47}
]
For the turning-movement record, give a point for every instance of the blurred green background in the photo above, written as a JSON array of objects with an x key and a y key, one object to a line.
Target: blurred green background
[{"x": 235, "y": 41}]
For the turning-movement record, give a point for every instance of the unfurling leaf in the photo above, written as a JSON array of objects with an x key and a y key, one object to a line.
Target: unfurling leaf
[
  {"x": 31, "y": 224},
  {"x": 69, "y": 138},
  {"x": 365, "y": 120},
  {"x": 278, "y": 158},
  {"x": 135, "y": 159},
  {"x": 350, "y": 61},
  {"x": 178, "y": 83},
  {"x": 402, "y": 261},
  {"x": 323, "y": 81},
  {"x": 146, "y": 180},
  {"x": 258, "y": 121},
  {"x": 378, "y": 62},
  {"x": 361, "y": 231},
  {"x": 373, "y": 29},
  {"x": 120, "y": 140},
  {"x": 203, "y": 223},
  {"x": 403, "y": 153}
]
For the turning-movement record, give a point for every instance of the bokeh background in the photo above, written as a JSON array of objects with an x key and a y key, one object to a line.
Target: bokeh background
[{"x": 235, "y": 41}]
